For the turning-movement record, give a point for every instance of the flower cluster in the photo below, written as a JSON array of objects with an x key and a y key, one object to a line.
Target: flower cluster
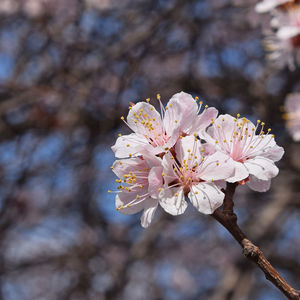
[
  {"x": 292, "y": 115},
  {"x": 188, "y": 151},
  {"x": 283, "y": 41}
]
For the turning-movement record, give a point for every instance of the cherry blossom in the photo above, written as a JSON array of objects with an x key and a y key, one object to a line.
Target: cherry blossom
[
  {"x": 254, "y": 154},
  {"x": 156, "y": 133},
  {"x": 292, "y": 115},
  {"x": 139, "y": 181},
  {"x": 188, "y": 171}
]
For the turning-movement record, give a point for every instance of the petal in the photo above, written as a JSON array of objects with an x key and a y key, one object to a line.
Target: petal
[
  {"x": 144, "y": 112},
  {"x": 274, "y": 153},
  {"x": 204, "y": 120},
  {"x": 128, "y": 145},
  {"x": 155, "y": 181},
  {"x": 216, "y": 167},
  {"x": 287, "y": 32},
  {"x": 261, "y": 167},
  {"x": 258, "y": 185},
  {"x": 124, "y": 166},
  {"x": 148, "y": 212},
  {"x": 171, "y": 203},
  {"x": 240, "y": 172},
  {"x": 124, "y": 198},
  {"x": 182, "y": 108},
  {"x": 206, "y": 197}
]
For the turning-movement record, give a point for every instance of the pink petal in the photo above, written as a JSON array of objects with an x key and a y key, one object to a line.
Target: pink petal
[
  {"x": 155, "y": 181},
  {"x": 123, "y": 198},
  {"x": 274, "y": 153},
  {"x": 258, "y": 185},
  {"x": 206, "y": 197}
]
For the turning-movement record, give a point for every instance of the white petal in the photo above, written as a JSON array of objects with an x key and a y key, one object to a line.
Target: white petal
[
  {"x": 261, "y": 167},
  {"x": 274, "y": 153},
  {"x": 137, "y": 113},
  {"x": 148, "y": 212},
  {"x": 217, "y": 166},
  {"x": 172, "y": 204},
  {"x": 183, "y": 108},
  {"x": 123, "y": 198},
  {"x": 258, "y": 185},
  {"x": 124, "y": 166},
  {"x": 204, "y": 120},
  {"x": 206, "y": 197},
  {"x": 129, "y": 144},
  {"x": 240, "y": 172},
  {"x": 288, "y": 32}
]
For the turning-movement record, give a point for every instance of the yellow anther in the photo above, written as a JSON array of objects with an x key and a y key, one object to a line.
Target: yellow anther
[
  {"x": 180, "y": 136},
  {"x": 166, "y": 148},
  {"x": 120, "y": 134},
  {"x": 217, "y": 164},
  {"x": 188, "y": 150},
  {"x": 269, "y": 129},
  {"x": 262, "y": 124},
  {"x": 163, "y": 174},
  {"x": 159, "y": 189},
  {"x": 196, "y": 98},
  {"x": 158, "y": 96},
  {"x": 140, "y": 186},
  {"x": 217, "y": 142},
  {"x": 206, "y": 106},
  {"x": 122, "y": 118},
  {"x": 127, "y": 205},
  {"x": 130, "y": 155},
  {"x": 273, "y": 135},
  {"x": 148, "y": 100},
  {"x": 196, "y": 193},
  {"x": 211, "y": 180},
  {"x": 238, "y": 115},
  {"x": 127, "y": 145},
  {"x": 109, "y": 191},
  {"x": 258, "y": 121},
  {"x": 170, "y": 104},
  {"x": 201, "y": 102},
  {"x": 176, "y": 121},
  {"x": 176, "y": 194},
  {"x": 251, "y": 147},
  {"x": 111, "y": 167},
  {"x": 224, "y": 141},
  {"x": 137, "y": 196}
]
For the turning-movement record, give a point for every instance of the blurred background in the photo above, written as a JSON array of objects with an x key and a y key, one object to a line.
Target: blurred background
[{"x": 68, "y": 70}]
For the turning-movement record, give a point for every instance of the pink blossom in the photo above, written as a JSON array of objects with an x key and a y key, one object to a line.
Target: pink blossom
[
  {"x": 254, "y": 154},
  {"x": 156, "y": 133},
  {"x": 188, "y": 171},
  {"x": 292, "y": 115},
  {"x": 139, "y": 182}
]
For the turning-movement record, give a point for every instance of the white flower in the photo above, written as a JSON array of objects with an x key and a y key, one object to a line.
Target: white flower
[
  {"x": 268, "y": 5},
  {"x": 156, "y": 134},
  {"x": 254, "y": 154},
  {"x": 189, "y": 172}
]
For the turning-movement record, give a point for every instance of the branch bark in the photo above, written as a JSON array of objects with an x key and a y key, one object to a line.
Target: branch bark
[{"x": 228, "y": 219}]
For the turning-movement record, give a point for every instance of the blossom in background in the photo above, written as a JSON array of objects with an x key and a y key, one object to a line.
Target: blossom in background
[
  {"x": 292, "y": 115},
  {"x": 253, "y": 154},
  {"x": 282, "y": 42},
  {"x": 155, "y": 133},
  {"x": 268, "y": 5},
  {"x": 188, "y": 171}
]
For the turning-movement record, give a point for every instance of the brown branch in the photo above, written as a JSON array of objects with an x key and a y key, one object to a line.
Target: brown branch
[{"x": 229, "y": 220}]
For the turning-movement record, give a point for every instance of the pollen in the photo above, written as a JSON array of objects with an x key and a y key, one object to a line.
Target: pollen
[
  {"x": 206, "y": 106},
  {"x": 137, "y": 196},
  {"x": 148, "y": 100},
  {"x": 122, "y": 118},
  {"x": 176, "y": 194},
  {"x": 159, "y": 189},
  {"x": 120, "y": 134},
  {"x": 158, "y": 96}
]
